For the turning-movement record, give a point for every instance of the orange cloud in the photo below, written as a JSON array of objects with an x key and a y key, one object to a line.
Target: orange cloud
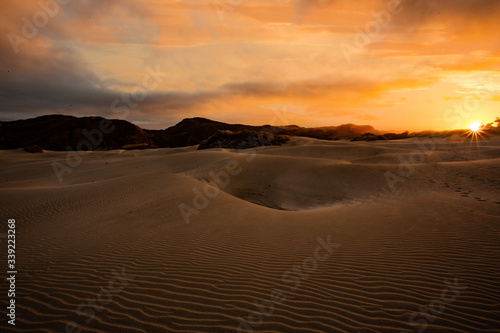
[{"x": 229, "y": 61}]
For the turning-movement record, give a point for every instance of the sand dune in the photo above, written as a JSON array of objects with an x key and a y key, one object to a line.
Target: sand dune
[{"x": 109, "y": 250}]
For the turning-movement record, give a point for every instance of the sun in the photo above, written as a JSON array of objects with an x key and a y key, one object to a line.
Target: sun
[
  {"x": 475, "y": 131},
  {"x": 475, "y": 126}
]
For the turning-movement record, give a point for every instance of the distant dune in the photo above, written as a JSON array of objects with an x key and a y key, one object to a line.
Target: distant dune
[{"x": 310, "y": 236}]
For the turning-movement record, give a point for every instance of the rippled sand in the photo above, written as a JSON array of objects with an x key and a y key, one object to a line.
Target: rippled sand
[{"x": 108, "y": 249}]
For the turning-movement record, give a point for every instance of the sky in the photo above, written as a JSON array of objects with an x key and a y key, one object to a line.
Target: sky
[{"x": 393, "y": 64}]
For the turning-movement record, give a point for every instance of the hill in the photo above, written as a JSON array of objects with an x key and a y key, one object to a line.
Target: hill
[
  {"x": 193, "y": 131},
  {"x": 61, "y": 132}
]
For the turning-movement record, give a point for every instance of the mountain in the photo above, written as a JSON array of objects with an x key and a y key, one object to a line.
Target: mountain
[
  {"x": 60, "y": 132},
  {"x": 193, "y": 131}
]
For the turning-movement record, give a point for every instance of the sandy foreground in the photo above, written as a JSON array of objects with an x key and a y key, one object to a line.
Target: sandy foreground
[{"x": 313, "y": 236}]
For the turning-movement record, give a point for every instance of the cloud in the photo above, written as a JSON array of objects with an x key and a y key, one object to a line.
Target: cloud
[
  {"x": 44, "y": 71},
  {"x": 274, "y": 52}
]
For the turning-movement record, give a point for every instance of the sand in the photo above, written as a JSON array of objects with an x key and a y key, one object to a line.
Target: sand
[{"x": 307, "y": 237}]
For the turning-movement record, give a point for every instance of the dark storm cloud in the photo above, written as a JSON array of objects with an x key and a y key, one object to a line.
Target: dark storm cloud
[{"x": 40, "y": 71}]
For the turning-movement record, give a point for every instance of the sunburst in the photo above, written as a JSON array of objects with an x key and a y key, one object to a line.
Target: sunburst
[{"x": 475, "y": 130}]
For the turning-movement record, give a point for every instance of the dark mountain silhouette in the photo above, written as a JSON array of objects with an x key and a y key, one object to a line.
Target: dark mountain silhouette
[
  {"x": 345, "y": 131},
  {"x": 193, "y": 131},
  {"x": 60, "y": 132}
]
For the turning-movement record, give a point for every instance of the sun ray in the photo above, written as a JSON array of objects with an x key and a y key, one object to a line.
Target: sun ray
[{"x": 475, "y": 131}]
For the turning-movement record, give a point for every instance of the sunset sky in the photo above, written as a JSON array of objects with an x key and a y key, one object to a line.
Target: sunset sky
[{"x": 412, "y": 65}]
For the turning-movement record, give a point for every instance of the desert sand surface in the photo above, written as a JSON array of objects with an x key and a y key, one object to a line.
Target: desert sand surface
[{"x": 305, "y": 237}]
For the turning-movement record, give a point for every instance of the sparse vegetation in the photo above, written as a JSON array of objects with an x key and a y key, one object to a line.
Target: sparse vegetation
[{"x": 243, "y": 139}]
